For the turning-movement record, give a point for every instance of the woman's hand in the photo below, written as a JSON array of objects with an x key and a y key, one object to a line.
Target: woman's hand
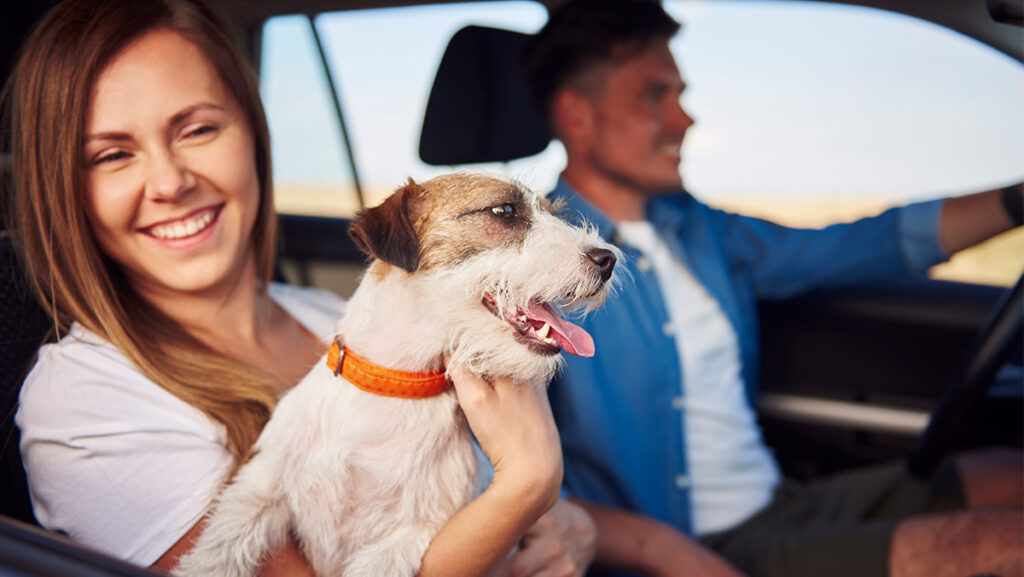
[
  {"x": 560, "y": 544},
  {"x": 512, "y": 422}
]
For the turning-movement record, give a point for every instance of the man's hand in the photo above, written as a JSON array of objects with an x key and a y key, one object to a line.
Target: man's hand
[
  {"x": 634, "y": 543},
  {"x": 560, "y": 544}
]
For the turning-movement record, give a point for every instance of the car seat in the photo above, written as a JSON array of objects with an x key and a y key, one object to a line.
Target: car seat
[
  {"x": 479, "y": 109},
  {"x": 23, "y": 327}
]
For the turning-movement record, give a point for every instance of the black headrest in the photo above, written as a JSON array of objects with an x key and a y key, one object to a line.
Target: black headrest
[{"x": 479, "y": 109}]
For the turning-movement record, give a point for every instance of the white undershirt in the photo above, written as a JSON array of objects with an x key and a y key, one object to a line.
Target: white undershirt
[{"x": 732, "y": 474}]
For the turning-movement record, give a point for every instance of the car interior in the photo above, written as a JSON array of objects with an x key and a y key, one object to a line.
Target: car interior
[{"x": 903, "y": 368}]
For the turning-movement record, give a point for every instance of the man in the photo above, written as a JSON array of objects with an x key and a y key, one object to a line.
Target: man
[{"x": 660, "y": 439}]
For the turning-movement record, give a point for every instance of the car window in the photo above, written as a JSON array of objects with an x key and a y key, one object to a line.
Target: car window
[
  {"x": 386, "y": 120},
  {"x": 312, "y": 174},
  {"x": 382, "y": 63},
  {"x": 811, "y": 113},
  {"x": 806, "y": 113}
]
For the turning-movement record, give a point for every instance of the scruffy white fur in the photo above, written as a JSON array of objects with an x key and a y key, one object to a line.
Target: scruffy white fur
[{"x": 363, "y": 482}]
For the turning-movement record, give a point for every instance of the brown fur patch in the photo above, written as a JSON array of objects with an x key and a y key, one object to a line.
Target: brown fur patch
[
  {"x": 386, "y": 232},
  {"x": 464, "y": 214}
]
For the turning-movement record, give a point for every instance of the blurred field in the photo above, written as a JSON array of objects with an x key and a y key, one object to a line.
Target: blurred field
[
  {"x": 999, "y": 261},
  {"x": 316, "y": 201}
]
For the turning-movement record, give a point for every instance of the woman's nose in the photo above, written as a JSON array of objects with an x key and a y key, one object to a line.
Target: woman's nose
[{"x": 168, "y": 177}]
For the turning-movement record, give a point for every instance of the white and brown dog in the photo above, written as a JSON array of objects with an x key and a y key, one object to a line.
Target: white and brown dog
[{"x": 466, "y": 267}]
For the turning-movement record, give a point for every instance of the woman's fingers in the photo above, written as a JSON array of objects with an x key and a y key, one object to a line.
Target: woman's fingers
[{"x": 512, "y": 422}]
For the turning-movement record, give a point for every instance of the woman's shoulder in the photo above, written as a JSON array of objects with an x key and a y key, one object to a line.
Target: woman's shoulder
[
  {"x": 317, "y": 309},
  {"x": 114, "y": 460},
  {"x": 310, "y": 296},
  {"x": 80, "y": 356},
  {"x": 83, "y": 380}
]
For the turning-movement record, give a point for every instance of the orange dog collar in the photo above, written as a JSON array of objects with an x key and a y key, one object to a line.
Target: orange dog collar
[{"x": 381, "y": 380}]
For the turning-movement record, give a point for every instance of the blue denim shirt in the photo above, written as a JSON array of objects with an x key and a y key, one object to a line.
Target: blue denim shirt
[{"x": 621, "y": 432}]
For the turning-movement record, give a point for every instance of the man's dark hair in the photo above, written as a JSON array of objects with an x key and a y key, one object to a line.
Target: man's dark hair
[{"x": 583, "y": 33}]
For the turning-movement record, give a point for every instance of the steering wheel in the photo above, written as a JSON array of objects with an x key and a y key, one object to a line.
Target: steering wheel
[{"x": 993, "y": 345}]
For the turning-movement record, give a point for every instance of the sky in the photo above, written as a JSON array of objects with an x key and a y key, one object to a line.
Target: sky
[{"x": 791, "y": 99}]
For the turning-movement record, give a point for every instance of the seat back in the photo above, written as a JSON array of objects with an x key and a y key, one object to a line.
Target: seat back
[
  {"x": 479, "y": 109},
  {"x": 23, "y": 327}
]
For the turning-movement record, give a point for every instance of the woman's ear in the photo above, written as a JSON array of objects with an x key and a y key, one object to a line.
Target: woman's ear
[{"x": 385, "y": 232}]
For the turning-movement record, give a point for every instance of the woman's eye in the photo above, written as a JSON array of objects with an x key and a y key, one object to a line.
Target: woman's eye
[
  {"x": 200, "y": 131},
  {"x": 110, "y": 157},
  {"x": 506, "y": 211}
]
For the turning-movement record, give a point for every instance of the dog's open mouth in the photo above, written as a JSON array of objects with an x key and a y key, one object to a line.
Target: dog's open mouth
[{"x": 542, "y": 330}]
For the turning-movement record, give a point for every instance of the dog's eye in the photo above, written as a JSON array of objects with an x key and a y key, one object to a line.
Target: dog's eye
[{"x": 506, "y": 211}]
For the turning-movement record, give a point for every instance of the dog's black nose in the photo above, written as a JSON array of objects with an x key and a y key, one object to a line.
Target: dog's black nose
[{"x": 604, "y": 259}]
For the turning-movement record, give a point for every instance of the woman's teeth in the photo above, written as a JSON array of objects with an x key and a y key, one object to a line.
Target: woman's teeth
[{"x": 183, "y": 228}]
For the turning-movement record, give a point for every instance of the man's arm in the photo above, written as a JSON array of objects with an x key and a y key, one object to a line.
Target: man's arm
[
  {"x": 630, "y": 542},
  {"x": 968, "y": 220}
]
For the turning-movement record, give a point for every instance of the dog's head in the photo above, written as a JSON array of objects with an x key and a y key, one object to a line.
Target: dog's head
[{"x": 487, "y": 264}]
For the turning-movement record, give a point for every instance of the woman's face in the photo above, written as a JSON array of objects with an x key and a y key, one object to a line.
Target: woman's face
[{"x": 169, "y": 161}]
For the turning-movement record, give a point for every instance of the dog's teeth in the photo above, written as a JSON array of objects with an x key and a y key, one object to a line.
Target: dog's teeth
[{"x": 543, "y": 332}]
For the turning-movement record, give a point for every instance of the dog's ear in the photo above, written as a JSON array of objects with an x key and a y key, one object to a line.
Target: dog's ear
[{"x": 385, "y": 232}]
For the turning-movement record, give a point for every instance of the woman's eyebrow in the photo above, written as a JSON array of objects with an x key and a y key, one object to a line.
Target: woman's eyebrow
[
  {"x": 116, "y": 136},
  {"x": 190, "y": 110},
  {"x": 178, "y": 118}
]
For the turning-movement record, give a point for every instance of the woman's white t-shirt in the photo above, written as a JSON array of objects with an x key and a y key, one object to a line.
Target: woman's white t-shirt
[{"x": 118, "y": 463}]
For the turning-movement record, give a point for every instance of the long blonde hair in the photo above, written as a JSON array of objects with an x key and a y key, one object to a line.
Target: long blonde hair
[{"x": 46, "y": 105}]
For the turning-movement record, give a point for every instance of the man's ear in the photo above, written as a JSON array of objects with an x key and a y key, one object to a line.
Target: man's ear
[
  {"x": 572, "y": 114},
  {"x": 385, "y": 232}
]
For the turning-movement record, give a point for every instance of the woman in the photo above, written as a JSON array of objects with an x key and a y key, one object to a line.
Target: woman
[{"x": 144, "y": 215}]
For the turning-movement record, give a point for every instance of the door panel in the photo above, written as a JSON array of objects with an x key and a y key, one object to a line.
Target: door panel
[{"x": 849, "y": 376}]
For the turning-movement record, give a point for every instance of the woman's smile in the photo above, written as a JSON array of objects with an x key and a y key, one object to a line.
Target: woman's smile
[
  {"x": 172, "y": 184},
  {"x": 188, "y": 228}
]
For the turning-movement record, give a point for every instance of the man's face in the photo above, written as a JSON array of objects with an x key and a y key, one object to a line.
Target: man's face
[{"x": 638, "y": 122}]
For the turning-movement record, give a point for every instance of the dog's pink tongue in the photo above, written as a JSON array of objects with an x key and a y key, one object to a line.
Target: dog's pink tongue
[{"x": 570, "y": 337}]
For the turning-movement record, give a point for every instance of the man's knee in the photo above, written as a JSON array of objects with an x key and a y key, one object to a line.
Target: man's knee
[
  {"x": 959, "y": 544},
  {"x": 992, "y": 477}
]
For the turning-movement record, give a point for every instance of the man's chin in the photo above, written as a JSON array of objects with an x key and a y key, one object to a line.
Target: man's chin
[
  {"x": 664, "y": 186},
  {"x": 646, "y": 180}
]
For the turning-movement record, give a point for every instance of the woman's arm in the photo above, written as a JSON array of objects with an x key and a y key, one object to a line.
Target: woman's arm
[{"x": 513, "y": 423}]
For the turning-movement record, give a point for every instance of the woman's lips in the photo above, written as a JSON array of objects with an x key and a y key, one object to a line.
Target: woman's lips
[{"x": 186, "y": 227}]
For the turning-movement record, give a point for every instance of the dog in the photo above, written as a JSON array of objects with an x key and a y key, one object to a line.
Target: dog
[{"x": 465, "y": 270}]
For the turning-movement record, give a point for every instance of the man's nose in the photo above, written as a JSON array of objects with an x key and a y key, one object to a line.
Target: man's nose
[
  {"x": 168, "y": 177},
  {"x": 679, "y": 117}
]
